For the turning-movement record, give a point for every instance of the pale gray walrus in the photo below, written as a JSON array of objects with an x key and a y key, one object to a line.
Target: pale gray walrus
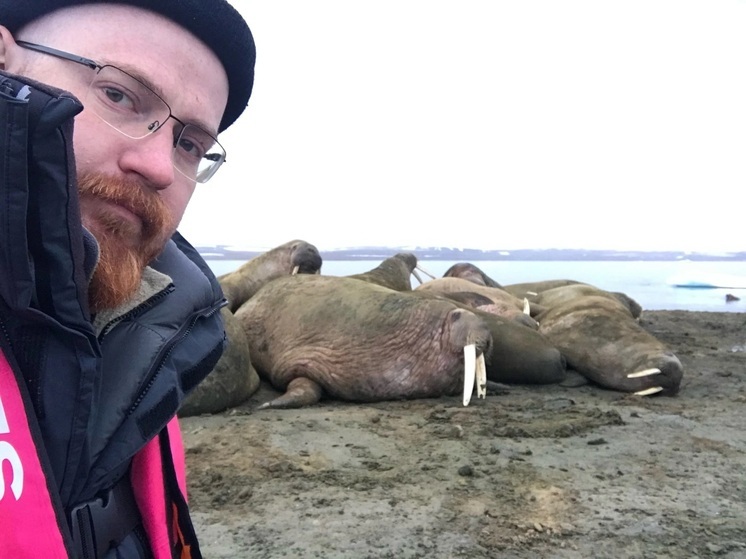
[
  {"x": 358, "y": 341},
  {"x": 234, "y": 378}
]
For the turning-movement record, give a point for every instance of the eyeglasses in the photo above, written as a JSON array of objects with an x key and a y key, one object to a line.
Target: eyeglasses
[{"x": 132, "y": 108}]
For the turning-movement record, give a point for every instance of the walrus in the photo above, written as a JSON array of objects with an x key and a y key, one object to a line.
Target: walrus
[
  {"x": 352, "y": 340},
  {"x": 393, "y": 272},
  {"x": 468, "y": 271},
  {"x": 601, "y": 339},
  {"x": 232, "y": 380},
  {"x": 520, "y": 354},
  {"x": 554, "y": 292},
  {"x": 527, "y": 290},
  {"x": 503, "y": 302},
  {"x": 533, "y": 288},
  {"x": 292, "y": 257}
]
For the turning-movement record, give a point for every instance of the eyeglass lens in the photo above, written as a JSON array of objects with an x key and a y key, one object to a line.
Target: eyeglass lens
[{"x": 129, "y": 106}]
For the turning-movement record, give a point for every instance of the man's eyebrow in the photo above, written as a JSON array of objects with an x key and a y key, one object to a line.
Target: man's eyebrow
[{"x": 135, "y": 73}]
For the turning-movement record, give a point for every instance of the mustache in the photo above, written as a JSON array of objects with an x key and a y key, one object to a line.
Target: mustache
[
  {"x": 124, "y": 249},
  {"x": 128, "y": 193}
]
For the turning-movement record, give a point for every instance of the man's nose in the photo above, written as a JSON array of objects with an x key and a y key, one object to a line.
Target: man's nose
[{"x": 151, "y": 157}]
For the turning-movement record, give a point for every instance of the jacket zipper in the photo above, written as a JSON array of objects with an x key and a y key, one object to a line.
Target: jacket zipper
[
  {"x": 136, "y": 310},
  {"x": 163, "y": 355}
]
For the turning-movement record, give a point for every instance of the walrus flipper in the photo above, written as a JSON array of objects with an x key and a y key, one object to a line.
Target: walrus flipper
[{"x": 300, "y": 392}]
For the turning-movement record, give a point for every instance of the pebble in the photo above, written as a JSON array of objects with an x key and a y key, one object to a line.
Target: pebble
[{"x": 466, "y": 471}]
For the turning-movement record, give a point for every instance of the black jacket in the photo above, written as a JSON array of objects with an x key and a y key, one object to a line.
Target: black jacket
[{"x": 98, "y": 398}]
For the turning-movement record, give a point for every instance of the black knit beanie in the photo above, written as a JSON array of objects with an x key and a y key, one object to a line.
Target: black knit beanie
[{"x": 215, "y": 22}]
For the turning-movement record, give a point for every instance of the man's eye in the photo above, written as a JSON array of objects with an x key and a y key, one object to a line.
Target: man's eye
[
  {"x": 191, "y": 148},
  {"x": 118, "y": 97}
]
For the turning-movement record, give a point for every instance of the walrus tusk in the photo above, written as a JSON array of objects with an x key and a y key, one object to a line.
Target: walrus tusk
[
  {"x": 534, "y": 293},
  {"x": 417, "y": 276},
  {"x": 645, "y": 373},
  {"x": 295, "y": 270},
  {"x": 649, "y": 391},
  {"x": 526, "y": 307},
  {"x": 421, "y": 269},
  {"x": 470, "y": 358},
  {"x": 481, "y": 377}
]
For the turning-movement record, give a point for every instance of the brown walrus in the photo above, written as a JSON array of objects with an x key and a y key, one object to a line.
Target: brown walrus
[
  {"x": 600, "y": 338},
  {"x": 546, "y": 293},
  {"x": 504, "y": 304},
  {"x": 357, "y": 341},
  {"x": 468, "y": 271},
  {"x": 393, "y": 272},
  {"x": 520, "y": 354},
  {"x": 533, "y": 288},
  {"x": 529, "y": 290},
  {"x": 234, "y": 378},
  {"x": 292, "y": 257}
]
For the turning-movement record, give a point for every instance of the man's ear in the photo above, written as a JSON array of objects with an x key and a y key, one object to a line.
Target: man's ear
[{"x": 7, "y": 42}]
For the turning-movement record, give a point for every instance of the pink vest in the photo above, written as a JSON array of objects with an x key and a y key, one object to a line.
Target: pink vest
[{"x": 32, "y": 523}]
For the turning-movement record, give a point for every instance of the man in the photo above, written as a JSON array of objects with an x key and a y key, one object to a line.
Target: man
[{"x": 108, "y": 318}]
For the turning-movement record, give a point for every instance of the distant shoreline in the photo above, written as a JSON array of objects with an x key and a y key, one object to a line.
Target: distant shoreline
[{"x": 468, "y": 255}]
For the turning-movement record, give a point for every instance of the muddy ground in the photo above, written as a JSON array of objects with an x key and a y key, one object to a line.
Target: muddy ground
[{"x": 529, "y": 472}]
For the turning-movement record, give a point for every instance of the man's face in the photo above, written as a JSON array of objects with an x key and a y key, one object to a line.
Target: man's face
[{"x": 183, "y": 71}]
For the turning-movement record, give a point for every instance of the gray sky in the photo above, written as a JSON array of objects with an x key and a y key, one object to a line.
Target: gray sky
[{"x": 487, "y": 124}]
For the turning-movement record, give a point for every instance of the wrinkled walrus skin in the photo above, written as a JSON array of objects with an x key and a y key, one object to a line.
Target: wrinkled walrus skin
[
  {"x": 520, "y": 354},
  {"x": 600, "y": 338},
  {"x": 234, "y": 379},
  {"x": 239, "y": 285},
  {"x": 356, "y": 341}
]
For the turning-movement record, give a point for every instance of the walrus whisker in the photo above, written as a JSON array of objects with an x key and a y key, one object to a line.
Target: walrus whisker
[
  {"x": 645, "y": 373},
  {"x": 295, "y": 270},
  {"x": 649, "y": 391},
  {"x": 417, "y": 276},
  {"x": 481, "y": 368},
  {"x": 470, "y": 369}
]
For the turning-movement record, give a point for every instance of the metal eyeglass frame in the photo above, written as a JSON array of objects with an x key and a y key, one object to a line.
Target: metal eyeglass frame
[{"x": 93, "y": 65}]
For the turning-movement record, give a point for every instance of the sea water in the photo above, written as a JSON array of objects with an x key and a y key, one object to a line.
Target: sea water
[{"x": 645, "y": 281}]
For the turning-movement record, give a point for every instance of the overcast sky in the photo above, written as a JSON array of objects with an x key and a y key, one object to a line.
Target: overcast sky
[{"x": 487, "y": 124}]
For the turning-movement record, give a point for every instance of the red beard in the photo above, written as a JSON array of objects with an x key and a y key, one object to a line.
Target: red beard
[{"x": 126, "y": 246}]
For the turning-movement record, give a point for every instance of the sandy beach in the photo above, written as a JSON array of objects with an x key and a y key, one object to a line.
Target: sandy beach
[{"x": 531, "y": 471}]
